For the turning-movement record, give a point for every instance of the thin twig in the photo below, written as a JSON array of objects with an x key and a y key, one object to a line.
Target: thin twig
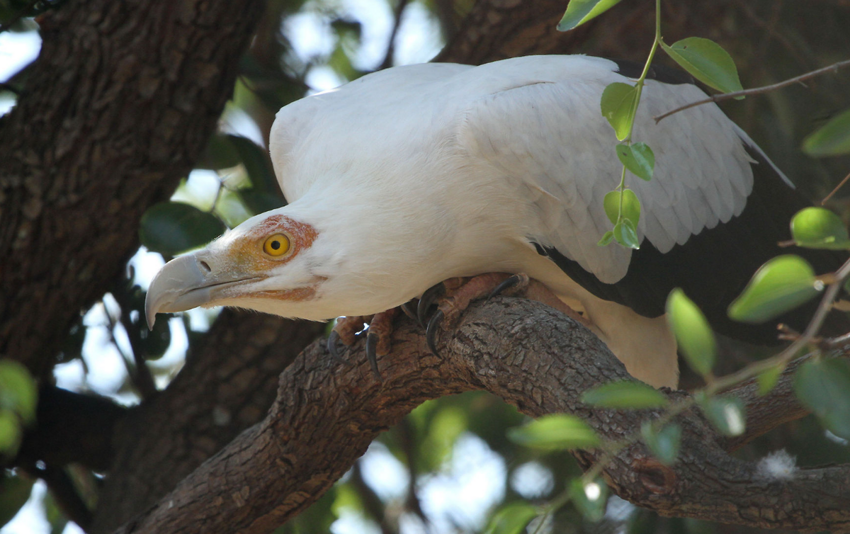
[
  {"x": 388, "y": 58},
  {"x": 612, "y": 448},
  {"x": 18, "y": 16},
  {"x": 758, "y": 90},
  {"x": 791, "y": 351},
  {"x": 65, "y": 494},
  {"x": 372, "y": 504},
  {"x": 408, "y": 444},
  {"x": 837, "y": 187},
  {"x": 139, "y": 373}
]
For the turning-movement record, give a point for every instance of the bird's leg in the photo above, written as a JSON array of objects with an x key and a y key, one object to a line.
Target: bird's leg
[
  {"x": 378, "y": 335},
  {"x": 346, "y": 330},
  {"x": 459, "y": 296}
]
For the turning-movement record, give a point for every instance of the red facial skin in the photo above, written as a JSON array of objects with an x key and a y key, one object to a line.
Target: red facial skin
[{"x": 246, "y": 254}]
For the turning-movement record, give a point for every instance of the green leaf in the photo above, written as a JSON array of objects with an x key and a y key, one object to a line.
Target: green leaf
[
  {"x": 14, "y": 492},
  {"x": 819, "y": 228},
  {"x": 832, "y": 139},
  {"x": 631, "y": 206},
  {"x": 580, "y": 11},
  {"x": 512, "y": 519},
  {"x": 624, "y": 394},
  {"x": 590, "y": 499},
  {"x": 781, "y": 284},
  {"x": 438, "y": 438},
  {"x": 10, "y": 433},
  {"x": 637, "y": 158},
  {"x": 626, "y": 234},
  {"x": 768, "y": 379},
  {"x": 18, "y": 391},
  {"x": 706, "y": 61},
  {"x": 619, "y": 105},
  {"x": 823, "y": 386},
  {"x": 606, "y": 238},
  {"x": 693, "y": 334},
  {"x": 555, "y": 432},
  {"x": 57, "y": 520},
  {"x": 663, "y": 444},
  {"x": 259, "y": 201},
  {"x": 726, "y": 414},
  {"x": 257, "y": 164},
  {"x": 172, "y": 227},
  {"x": 218, "y": 154}
]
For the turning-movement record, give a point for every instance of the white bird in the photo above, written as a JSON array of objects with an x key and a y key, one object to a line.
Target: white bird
[{"x": 417, "y": 174}]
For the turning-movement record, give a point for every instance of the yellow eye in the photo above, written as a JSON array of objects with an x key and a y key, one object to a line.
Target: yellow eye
[{"x": 276, "y": 245}]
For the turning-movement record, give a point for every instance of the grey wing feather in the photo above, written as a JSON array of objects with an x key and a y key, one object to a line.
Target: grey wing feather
[{"x": 550, "y": 139}]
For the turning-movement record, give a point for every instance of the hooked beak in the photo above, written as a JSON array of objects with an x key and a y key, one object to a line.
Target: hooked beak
[{"x": 182, "y": 284}]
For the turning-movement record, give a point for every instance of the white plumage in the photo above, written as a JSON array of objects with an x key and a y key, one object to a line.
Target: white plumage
[
  {"x": 532, "y": 128},
  {"x": 417, "y": 174}
]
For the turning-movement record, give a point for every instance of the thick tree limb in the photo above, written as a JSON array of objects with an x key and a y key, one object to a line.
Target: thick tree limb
[
  {"x": 523, "y": 352},
  {"x": 71, "y": 427},
  {"x": 226, "y": 386},
  {"x": 764, "y": 413},
  {"x": 132, "y": 134}
]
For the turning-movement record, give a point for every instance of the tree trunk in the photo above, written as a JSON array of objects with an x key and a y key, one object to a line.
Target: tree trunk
[
  {"x": 117, "y": 107},
  {"x": 116, "y": 110}
]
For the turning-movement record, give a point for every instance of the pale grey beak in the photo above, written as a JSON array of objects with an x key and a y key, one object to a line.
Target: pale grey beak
[{"x": 182, "y": 284}]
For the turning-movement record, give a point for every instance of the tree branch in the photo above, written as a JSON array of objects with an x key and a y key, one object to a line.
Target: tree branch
[
  {"x": 521, "y": 351},
  {"x": 757, "y": 90},
  {"x": 227, "y": 385},
  {"x": 18, "y": 15},
  {"x": 766, "y": 412},
  {"x": 71, "y": 427},
  {"x": 388, "y": 57},
  {"x": 66, "y": 496},
  {"x": 120, "y": 102}
]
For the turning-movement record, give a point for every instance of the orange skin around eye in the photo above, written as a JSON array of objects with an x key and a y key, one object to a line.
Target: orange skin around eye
[{"x": 246, "y": 253}]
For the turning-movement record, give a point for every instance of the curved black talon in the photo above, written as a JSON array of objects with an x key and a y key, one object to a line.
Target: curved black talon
[
  {"x": 410, "y": 310},
  {"x": 333, "y": 339},
  {"x": 372, "y": 353},
  {"x": 431, "y": 331},
  {"x": 508, "y": 283},
  {"x": 428, "y": 298}
]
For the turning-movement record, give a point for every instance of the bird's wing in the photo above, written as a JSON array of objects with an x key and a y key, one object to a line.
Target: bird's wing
[
  {"x": 358, "y": 125},
  {"x": 714, "y": 211},
  {"x": 549, "y": 136}
]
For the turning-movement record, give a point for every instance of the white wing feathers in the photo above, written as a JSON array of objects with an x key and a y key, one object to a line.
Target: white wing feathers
[
  {"x": 549, "y": 137},
  {"x": 533, "y": 123}
]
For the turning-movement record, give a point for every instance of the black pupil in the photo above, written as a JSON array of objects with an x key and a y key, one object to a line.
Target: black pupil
[{"x": 275, "y": 245}]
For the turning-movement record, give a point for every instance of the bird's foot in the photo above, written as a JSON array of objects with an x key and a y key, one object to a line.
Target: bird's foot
[
  {"x": 378, "y": 336},
  {"x": 454, "y": 296}
]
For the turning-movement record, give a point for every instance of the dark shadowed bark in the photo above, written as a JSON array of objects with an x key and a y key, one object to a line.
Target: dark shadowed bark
[
  {"x": 117, "y": 108},
  {"x": 227, "y": 379},
  {"x": 531, "y": 357}
]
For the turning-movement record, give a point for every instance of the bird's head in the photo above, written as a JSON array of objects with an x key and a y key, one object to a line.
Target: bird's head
[{"x": 263, "y": 264}]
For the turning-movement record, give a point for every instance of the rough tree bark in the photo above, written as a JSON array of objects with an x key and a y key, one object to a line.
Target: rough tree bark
[
  {"x": 529, "y": 355},
  {"x": 227, "y": 380},
  {"x": 118, "y": 106}
]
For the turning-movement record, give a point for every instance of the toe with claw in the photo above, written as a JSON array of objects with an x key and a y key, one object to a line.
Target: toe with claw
[{"x": 378, "y": 334}]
